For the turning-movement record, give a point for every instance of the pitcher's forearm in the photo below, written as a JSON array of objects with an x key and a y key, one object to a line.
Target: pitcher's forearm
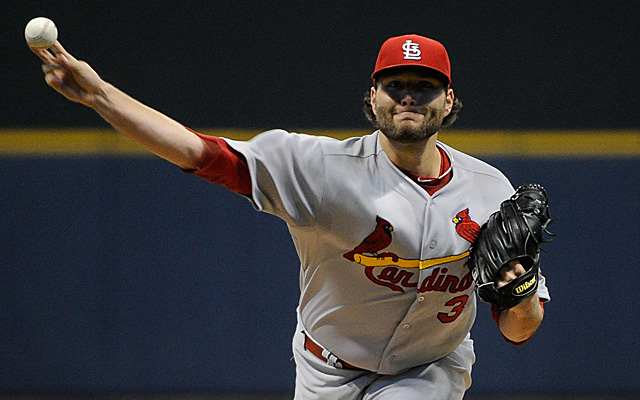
[
  {"x": 151, "y": 129},
  {"x": 521, "y": 322}
]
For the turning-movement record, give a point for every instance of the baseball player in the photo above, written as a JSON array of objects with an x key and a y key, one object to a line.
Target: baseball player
[{"x": 382, "y": 224}]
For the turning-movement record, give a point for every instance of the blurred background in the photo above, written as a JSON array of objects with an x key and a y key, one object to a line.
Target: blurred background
[{"x": 121, "y": 276}]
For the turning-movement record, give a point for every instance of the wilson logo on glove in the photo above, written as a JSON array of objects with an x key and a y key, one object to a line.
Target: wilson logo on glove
[{"x": 527, "y": 285}]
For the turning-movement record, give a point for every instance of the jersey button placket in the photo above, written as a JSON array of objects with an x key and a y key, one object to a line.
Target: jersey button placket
[{"x": 432, "y": 242}]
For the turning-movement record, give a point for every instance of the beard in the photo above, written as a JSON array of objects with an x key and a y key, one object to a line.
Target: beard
[{"x": 409, "y": 134}]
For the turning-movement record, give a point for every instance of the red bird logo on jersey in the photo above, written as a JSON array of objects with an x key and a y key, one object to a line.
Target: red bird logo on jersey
[
  {"x": 376, "y": 241},
  {"x": 465, "y": 227}
]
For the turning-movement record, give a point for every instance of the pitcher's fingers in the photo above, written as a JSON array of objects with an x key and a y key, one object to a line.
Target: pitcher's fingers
[
  {"x": 64, "y": 58},
  {"x": 44, "y": 55},
  {"x": 58, "y": 49}
]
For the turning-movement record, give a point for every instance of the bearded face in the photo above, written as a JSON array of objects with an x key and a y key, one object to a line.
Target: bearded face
[
  {"x": 410, "y": 107},
  {"x": 408, "y": 130}
]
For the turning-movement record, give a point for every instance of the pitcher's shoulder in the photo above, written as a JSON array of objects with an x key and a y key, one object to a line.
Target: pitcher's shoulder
[
  {"x": 357, "y": 146},
  {"x": 470, "y": 163}
]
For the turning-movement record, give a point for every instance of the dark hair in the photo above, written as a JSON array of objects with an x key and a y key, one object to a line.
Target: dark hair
[{"x": 446, "y": 122}]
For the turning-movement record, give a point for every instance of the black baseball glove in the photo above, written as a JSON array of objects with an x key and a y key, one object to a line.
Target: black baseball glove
[{"x": 515, "y": 232}]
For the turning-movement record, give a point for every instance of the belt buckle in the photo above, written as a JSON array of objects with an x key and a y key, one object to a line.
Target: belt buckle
[{"x": 332, "y": 360}]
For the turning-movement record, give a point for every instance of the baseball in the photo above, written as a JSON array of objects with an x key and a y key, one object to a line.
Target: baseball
[{"x": 41, "y": 33}]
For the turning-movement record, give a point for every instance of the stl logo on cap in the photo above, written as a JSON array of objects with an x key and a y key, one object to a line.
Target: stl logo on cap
[{"x": 412, "y": 50}]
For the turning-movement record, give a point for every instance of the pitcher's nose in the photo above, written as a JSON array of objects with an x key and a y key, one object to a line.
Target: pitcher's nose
[{"x": 408, "y": 101}]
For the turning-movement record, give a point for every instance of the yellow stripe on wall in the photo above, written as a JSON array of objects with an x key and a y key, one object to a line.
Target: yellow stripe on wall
[
  {"x": 542, "y": 144},
  {"x": 529, "y": 144},
  {"x": 80, "y": 142}
]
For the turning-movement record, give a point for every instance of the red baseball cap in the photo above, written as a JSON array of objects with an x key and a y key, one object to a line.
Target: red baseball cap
[{"x": 413, "y": 50}]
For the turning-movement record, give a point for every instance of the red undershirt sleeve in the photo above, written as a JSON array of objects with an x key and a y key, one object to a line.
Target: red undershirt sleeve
[
  {"x": 495, "y": 313},
  {"x": 223, "y": 165}
]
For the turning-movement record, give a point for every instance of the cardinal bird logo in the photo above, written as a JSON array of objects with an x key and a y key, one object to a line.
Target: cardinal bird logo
[
  {"x": 465, "y": 227},
  {"x": 376, "y": 241}
]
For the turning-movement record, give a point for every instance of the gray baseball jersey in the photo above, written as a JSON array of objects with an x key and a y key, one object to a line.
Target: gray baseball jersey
[{"x": 382, "y": 276}]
